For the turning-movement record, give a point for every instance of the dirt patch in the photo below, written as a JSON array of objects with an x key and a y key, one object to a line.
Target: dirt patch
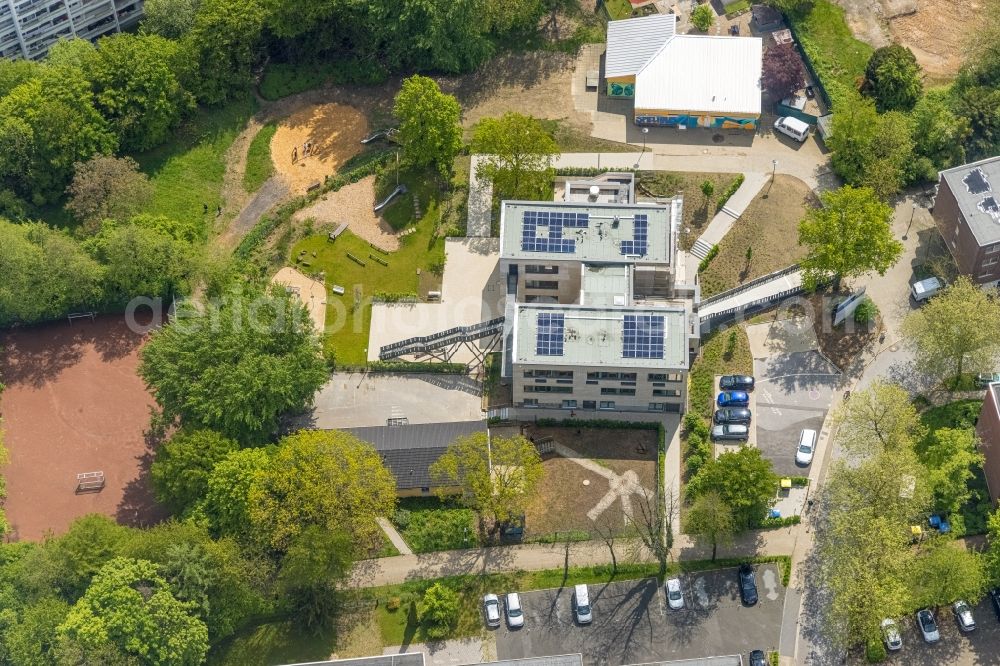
[
  {"x": 74, "y": 404},
  {"x": 845, "y": 343},
  {"x": 353, "y": 204},
  {"x": 938, "y": 33},
  {"x": 770, "y": 227},
  {"x": 698, "y": 210},
  {"x": 312, "y": 142}
]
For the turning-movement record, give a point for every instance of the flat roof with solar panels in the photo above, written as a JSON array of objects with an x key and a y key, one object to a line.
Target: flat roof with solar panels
[
  {"x": 591, "y": 336},
  {"x": 587, "y": 231}
]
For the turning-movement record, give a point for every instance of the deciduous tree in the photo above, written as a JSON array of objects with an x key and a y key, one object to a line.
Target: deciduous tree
[
  {"x": 850, "y": 235},
  {"x": 939, "y": 134},
  {"x": 879, "y": 419},
  {"x": 893, "y": 78},
  {"x": 783, "y": 72},
  {"x": 951, "y": 456},
  {"x": 517, "y": 153},
  {"x": 710, "y": 519},
  {"x": 107, "y": 188},
  {"x": 183, "y": 465},
  {"x": 953, "y": 332},
  {"x": 223, "y": 44},
  {"x": 168, "y": 18},
  {"x": 945, "y": 571},
  {"x": 315, "y": 563},
  {"x": 497, "y": 476},
  {"x": 703, "y": 16},
  {"x": 871, "y": 149},
  {"x": 324, "y": 478},
  {"x": 235, "y": 368},
  {"x": 429, "y": 129},
  {"x": 744, "y": 480},
  {"x": 439, "y": 610},
  {"x": 226, "y": 503}
]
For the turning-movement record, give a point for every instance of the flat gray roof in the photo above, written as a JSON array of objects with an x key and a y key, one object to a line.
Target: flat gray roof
[
  {"x": 407, "y": 659},
  {"x": 578, "y": 335},
  {"x": 730, "y": 660},
  {"x": 587, "y": 231},
  {"x": 606, "y": 286},
  {"x": 976, "y": 188}
]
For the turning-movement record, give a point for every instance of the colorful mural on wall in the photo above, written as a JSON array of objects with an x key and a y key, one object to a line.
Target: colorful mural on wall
[
  {"x": 621, "y": 89},
  {"x": 685, "y": 120}
]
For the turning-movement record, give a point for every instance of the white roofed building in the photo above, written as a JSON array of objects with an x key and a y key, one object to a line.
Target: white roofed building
[{"x": 684, "y": 80}]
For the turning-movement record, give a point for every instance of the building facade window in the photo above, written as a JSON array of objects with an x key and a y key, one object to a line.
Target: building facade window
[
  {"x": 548, "y": 389},
  {"x": 617, "y": 391},
  {"x": 541, "y": 284},
  {"x": 990, "y": 249},
  {"x": 990, "y": 261},
  {"x": 657, "y": 406},
  {"x": 590, "y": 404},
  {"x": 569, "y": 404},
  {"x": 534, "y": 269},
  {"x": 607, "y": 404},
  {"x": 548, "y": 374},
  {"x": 612, "y": 376},
  {"x": 531, "y": 402},
  {"x": 667, "y": 393},
  {"x": 664, "y": 377}
]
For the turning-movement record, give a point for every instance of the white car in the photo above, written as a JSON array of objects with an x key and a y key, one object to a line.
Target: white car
[
  {"x": 806, "y": 448},
  {"x": 964, "y": 616},
  {"x": 890, "y": 634},
  {"x": 491, "y": 609},
  {"x": 675, "y": 598},
  {"x": 928, "y": 627},
  {"x": 515, "y": 614}
]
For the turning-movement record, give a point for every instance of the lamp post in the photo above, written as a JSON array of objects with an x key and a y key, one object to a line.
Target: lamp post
[
  {"x": 774, "y": 168},
  {"x": 910, "y": 223},
  {"x": 645, "y": 131}
]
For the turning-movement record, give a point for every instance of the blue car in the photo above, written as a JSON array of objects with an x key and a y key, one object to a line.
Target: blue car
[{"x": 733, "y": 399}]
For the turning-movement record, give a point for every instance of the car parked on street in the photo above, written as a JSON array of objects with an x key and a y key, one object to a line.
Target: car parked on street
[
  {"x": 806, "y": 447},
  {"x": 890, "y": 635},
  {"x": 675, "y": 598},
  {"x": 515, "y": 614},
  {"x": 928, "y": 627},
  {"x": 491, "y": 610},
  {"x": 733, "y": 399},
  {"x": 748, "y": 585},
  {"x": 735, "y": 432},
  {"x": 995, "y": 600},
  {"x": 757, "y": 658},
  {"x": 736, "y": 383},
  {"x": 963, "y": 614},
  {"x": 728, "y": 415}
]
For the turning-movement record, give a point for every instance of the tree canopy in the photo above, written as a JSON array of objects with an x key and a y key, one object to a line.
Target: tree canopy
[
  {"x": 850, "y": 235},
  {"x": 517, "y": 154},
  {"x": 183, "y": 465},
  {"x": 429, "y": 129},
  {"x": 107, "y": 188},
  {"x": 880, "y": 418},
  {"x": 893, "y": 78},
  {"x": 871, "y": 149},
  {"x": 235, "y": 367},
  {"x": 744, "y": 480},
  {"x": 783, "y": 72}
]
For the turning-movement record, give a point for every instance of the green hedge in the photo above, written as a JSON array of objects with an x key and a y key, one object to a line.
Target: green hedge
[
  {"x": 786, "y": 521},
  {"x": 712, "y": 254},
  {"x": 605, "y": 424},
  {"x": 394, "y": 297},
  {"x": 729, "y": 191},
  {"x": 422, "y": 366}
]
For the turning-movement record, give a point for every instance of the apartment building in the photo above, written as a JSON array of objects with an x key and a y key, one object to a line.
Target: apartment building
[
  {"x": 967, "y": 213},
  {"x": 600, "y": 316},
  {"x": 28, "y": 28}
]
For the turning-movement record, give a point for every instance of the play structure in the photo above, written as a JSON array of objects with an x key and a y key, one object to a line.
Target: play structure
[
  {"x": 400, "y": 189},
  {"x": 379, "y": 134}
]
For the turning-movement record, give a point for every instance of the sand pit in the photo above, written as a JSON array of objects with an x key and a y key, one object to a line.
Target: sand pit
[
  {"x": 334, "y": 131},
  {"x": 310, "y": 292},
  {"x": 353, "y": 204}
]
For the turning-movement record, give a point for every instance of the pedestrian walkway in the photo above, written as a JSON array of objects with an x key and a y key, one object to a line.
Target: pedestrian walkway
[
  {"x": 756, "y": 292},
  {"x": 480, "y": 204},
  {"x": 395, "y": 537},
  {"x": 725, "y": 218}
]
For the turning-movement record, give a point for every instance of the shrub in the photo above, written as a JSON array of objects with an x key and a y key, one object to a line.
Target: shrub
[
  {"x": 696, "y": 426},
  {"x": 712, "y": 254},
  {"x": 787, "y": 521},
  {"x": 708, "y": 189},
  {"x": 393, "y": 604},
  {"x": 866, "y": 312},
  {"x": 730, "y": 190},
  {"x": 401, "y": 519},
  {"x": 439, "y": 611},
  {"x": 703, "y": 17},
  {"x": 875, "y": 651}
]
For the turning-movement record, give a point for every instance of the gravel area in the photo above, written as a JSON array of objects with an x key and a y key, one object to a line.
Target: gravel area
[{"x": 353, "y": 204}]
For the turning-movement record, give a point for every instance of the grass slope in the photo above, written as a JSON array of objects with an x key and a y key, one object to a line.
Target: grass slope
[
  {"x": 827, "y": 39},
  {"x": 259, "y": 164}
]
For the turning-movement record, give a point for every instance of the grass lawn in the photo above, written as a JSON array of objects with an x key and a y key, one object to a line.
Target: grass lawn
[
  {"x": 259, "y": 164},
  {"x": 432, "y": 524},
  {"x": 738, "y": 6},
  {"x": 836, "y": 55},
  {"x": 348, "y": 317},
  {"x": 962, "y": 414},
  {"x": 698, "y": 210},
  {"x": 770, "y": 227},
  {"x": 571, "y": 139},
  {"x": 722, "y": 353},
  {"x": 187, "y": 171},
  {"x": 281, "y": 642},
  {"x": 618, "y": 9}
]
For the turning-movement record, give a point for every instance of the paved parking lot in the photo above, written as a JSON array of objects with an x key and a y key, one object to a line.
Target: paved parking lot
[{"x": 632, "y": 624}]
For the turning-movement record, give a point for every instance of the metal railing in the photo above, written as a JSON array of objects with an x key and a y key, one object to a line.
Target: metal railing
[
  {"x": 749, "y": 285},
  {"x": 444, "y": 338}
]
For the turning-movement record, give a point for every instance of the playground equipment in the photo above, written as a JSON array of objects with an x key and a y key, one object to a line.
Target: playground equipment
[
  {"x": 379, "y": 134},
  {"x": 400, "y": 189},
  {"x": 90, "y": 482}
]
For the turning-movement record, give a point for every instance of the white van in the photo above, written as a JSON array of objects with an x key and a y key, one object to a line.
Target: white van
[
  {"x": 921, "y": 291},
  {"x": 792, "y": 127},
  {"x": 581, "y": 604}
]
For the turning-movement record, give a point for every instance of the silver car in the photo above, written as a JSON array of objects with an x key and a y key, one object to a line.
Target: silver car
[
  {"x": 675, "y": 598},
  {"x": 928, "y": 627},
  {"x": 732, "y": 432},
  {"x": 491, "y": 610},
  {"x": 890, "y": 634},
  {"x": 964, "y": 616},
  {"x": 515, "y": 614}
]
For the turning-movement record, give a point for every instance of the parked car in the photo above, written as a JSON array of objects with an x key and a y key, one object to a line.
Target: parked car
[
  {"x": 675, "y": 598},
  {"x": 985, "y": 379},
  {"x": 734, "y": 432},
  {"x": 736, "y": 383},
  {"x": 491, "y": 610},
  {"x": 924, "y": 289},
  {"x": 806, "y": 447},
  {"x": 733, "y": 399},
  {"x": 928, "y": 627},
  {"x": 732, "y": 415},
  {"x": 757, "y": 658},
  {"x": 515, "y": 614},
  {"x": 995, "y": 600},
  {"x": 792, "y": 127},
  {"x": 748, "y": 585},
  {"x": 963, "y": 613},
  {"x": 581, "y": 605},
  {"x": 890, "y": 634}
]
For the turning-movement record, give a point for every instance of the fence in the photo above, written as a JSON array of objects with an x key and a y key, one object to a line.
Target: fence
[
  {"x": 740, "y": 311},
  {"x": 749, "y": 285},
  {"x": 817, "y": 81}
]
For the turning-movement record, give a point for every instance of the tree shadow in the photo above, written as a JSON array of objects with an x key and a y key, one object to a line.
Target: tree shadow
[{"x": 138, "y": 506}]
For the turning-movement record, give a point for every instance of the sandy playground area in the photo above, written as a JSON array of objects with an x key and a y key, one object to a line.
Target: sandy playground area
[
  {"x": 334, "y": 132},
  {"x": 74, "y": 404},
  {"x": 354, "y": 205},
  {"x": 311, "y": 292}
]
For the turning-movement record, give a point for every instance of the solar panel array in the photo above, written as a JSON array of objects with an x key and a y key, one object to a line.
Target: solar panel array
[
  {"x": 549, "y": 340},
  {"x": 556, "y": 222},
  {"x": 643, "y": 336},
  {"x": 637, "y": 246}
]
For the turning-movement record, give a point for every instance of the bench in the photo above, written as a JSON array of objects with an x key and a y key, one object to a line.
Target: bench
[
  {"x": 337, "y": 289},
  {"x": 332, "y": 236}
]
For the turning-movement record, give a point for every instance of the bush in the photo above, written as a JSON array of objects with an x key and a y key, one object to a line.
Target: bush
[
  {"x": 703, "y": 17},
  {"x": 395, "y": 297},
  {"x": 866, "y": 312},
  {"x": 393, "y": 604},
  {"x": 418, "y": 366},
  {"x": 401, "y": 519},
  {"x": 875, "y": 652},
  {"x": 439, "y": 611},
  {"x": 712, "y": 254},
  {"x": 695, "y": 425},
  {"x": 787, "y": 521},
  {"x": 730, "y": 191}
]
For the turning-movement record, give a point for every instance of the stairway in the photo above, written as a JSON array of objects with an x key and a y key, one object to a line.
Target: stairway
[
  {"x": 701, "y": 249},
  {"x": 428, "y": 343}
]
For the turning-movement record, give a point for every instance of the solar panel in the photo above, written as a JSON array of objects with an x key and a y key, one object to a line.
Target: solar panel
[
  {"x": 640, "y": 236},
  {"x": 556, "y": 222},
  {"x": 549, "y": 339},
  {"x": 643, "y": 336}
]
